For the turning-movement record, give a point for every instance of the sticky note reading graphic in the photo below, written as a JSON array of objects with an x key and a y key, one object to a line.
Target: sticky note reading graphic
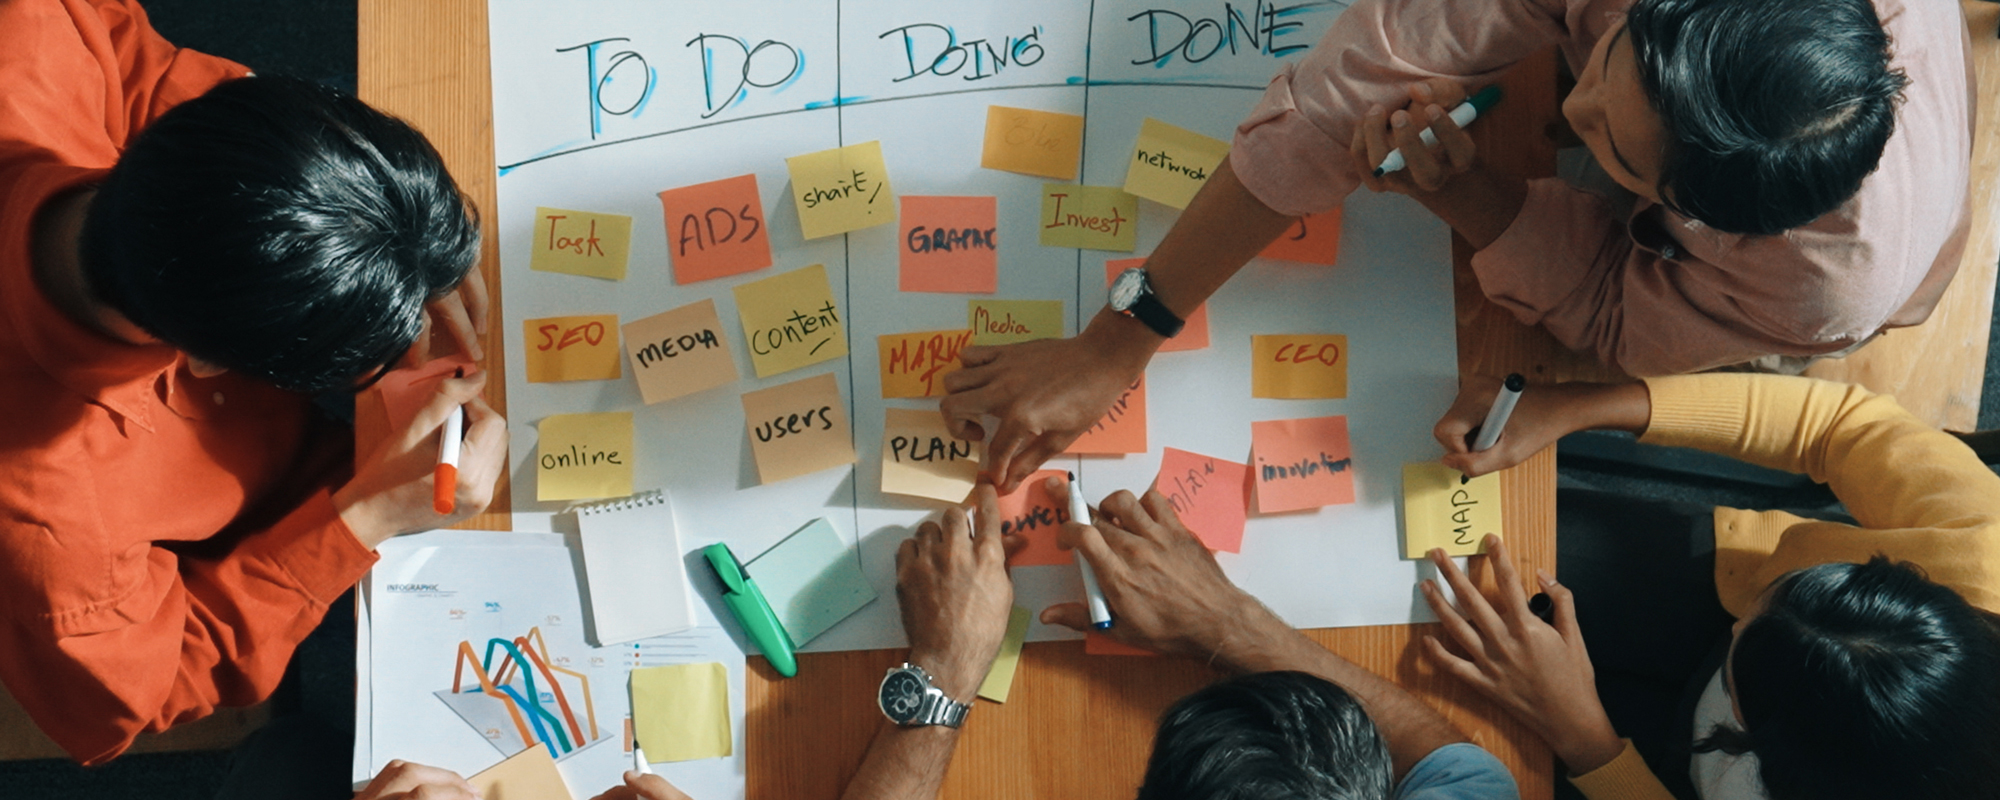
[
  {"x": 1312, "y": 239},
  {"x": 1000, "y": 677},
  {"x": 572, "y": 348},
  {"x": 1443, "y": 508},
  {"x": 914, "y": 364},
  {"x": 798, "y": 428},
  {"x": 920, "y": 458},
  {"x": 680, "y": 712},
  {"x": 1193, "y": 335},
  {"x": 1034, "y": 513},
  {"x": 679, "y": 352},
  {"x": 1090, "y": 217},
  {"x": 405, "y": 391},
  {"x": 1010, "y": 321},
  {"x": 582, "y": 456},
  {"x": 812, "y": 580},
  {"x": 1301, "y": 463},
  {"x": 1298, "y": 366},
  {"x": 1123, "y": 428},
  {"x": 528, "y": 775},
  {"x": 1044, "y": 143},
  {"x": 1169, "y": 164},
  {"x": 716, "y": 229},
  {"x": 949, "y": 244},
  {"x": 581, "y": 243},
  {"x": 790, "y": 321},
  {"x": 1210, "y": 495},
  {"x": 843, "y": 189}
]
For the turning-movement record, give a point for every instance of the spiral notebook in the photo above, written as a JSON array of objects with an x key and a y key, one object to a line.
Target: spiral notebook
[{"x": 635, "y": 579}]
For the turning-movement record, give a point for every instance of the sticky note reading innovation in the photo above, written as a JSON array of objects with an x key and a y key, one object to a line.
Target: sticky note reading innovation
[
  {"x": 843, "y": 189},
  {"x": 798, "y": 428},
  {"x": 920, "y": 458},
  {"x": 1123, "y": 428},
  {"x": 790, "y": 321},
  {"x": 1443, "y": 508},
  {"x": 1037, "y": 515},
  {"x": 680, "y": 712},
  {"x": 572, "y": 348},
  {"x": 1193, "y": 335},
  {"x": 679, "y": 352},
  {"x": 812, "y": 580},
  {"x": 716, "y": 229},
  {"x": 1210, "y": 495},
  {"x": 1313, "y": 239},
  {"x": 581, "y": 243},
  {"x": 583, "y": 456},
  {"x": 1000, "y": 677},
  {"x": 949, "y": 244},
  {"x": 1169, "y": 163},
  {"x": 1298, "y": 366},
  {"x": 528, "y": 775},
  {"x": 1010, "y": 321},
  {"x": 914, "y": 364},
  {"x": 1044, "y": 143},
  {"x": 1090, "y": 217},
  {"x": 1301, "y": 463}
]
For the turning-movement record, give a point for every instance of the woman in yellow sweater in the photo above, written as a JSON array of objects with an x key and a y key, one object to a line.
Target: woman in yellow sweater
[{"x": 1864, "y": 660}]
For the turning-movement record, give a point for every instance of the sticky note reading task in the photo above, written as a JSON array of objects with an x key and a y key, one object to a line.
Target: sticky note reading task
[
  {"x": 1299, "y": 366},
  {"x": 679, "y": 352},
  {"x": 1170, "y": 163},
  {"x": 798, "y": 428},
  {"x": 581, "y": 243},
  {"x": 1000, "y": 677},
  {"x": 1034, "y": 513},
  {"x": 680, "y": 712},
  {"x": 1044, "y": 143},
  {"x": 1090, "y": 217},
  {"x": 528, "y": 775},
  {"x": 1193, "y": 335},
  {"x": 1210, "y": 495},
  {"x": 1123, "y": 428},
  {"x": 843, "y": 189},
  {"x": 790, "y": 321},
  {"x": 1313, "y": 239},
  {"x": 949, "y": 244},
  {"x": 920, "y": 458},
  {"x": 812, "y": 580},
  {"x": 582, "y": 456},
  {"x": 716, "y": 229},
  {"x": 1010, "y": 321},
  {"x": 572, "y": 348},
  {"x": 914, "y": 364},
  {"x": 1301, "y": 463},
  {"x": 1443, "y": 508}
]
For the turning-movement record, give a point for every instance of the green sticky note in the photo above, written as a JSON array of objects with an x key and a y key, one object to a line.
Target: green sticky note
[
  {"x": 1010, "y": 321},
  {"x": 812, "y": 580},
  {"x": 1091, "y": 217},
  {"x": 681, "y": 712},
  {"x": 1000, "y": 679}
]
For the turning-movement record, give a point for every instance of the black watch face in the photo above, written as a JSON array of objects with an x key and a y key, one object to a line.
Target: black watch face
[{"x": 902, "y": 696}]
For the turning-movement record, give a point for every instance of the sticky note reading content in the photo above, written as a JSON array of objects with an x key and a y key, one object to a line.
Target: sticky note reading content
[
  {"x": 1209, "y": 494},
  {"x": 949, "y": 244},
  {"x": 1312, "y": 239},
  {"x": 914, "y": 364},
  {"x": 1443, "y": 508},
  {"x": 1300, "y": 366},
  {"x": 920, "y": 458},
  {"x": 790, "y": 321},
  {"x": 812, "y": 580},
  {"x": 1193, "y": 335},
  {"x": 582, "y": 456},
  {"x": 1035, "y": 514},
  {"x": 716, "y": 229},
  {"x": 1301, "y": 463},
  {"x": 1091, "y": 217},
  {"x": 528, "y": 775},
  {"x": 680, "y": 712},
  {"x": 1044, "y": 143},
  {"x": 1123, "y": 428},
  {"x": 1010, "y": 321},
  {"x": 1000, "y": 677},
  {"x": 843, "y": 189},
  {"x": 1169, "y": 164},
  {"x": 581, "y": 243},
  {"x": 572, "y": 348},
  {"x": 679, "y": 352},
  {"x": 798, "y": 428}
]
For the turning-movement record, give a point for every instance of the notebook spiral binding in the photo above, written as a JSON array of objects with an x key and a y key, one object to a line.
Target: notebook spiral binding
[{"x": 640, "y": 500}]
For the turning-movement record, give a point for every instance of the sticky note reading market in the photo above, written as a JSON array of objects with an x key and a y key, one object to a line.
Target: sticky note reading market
[
  {"x": 581, "y": 243},
  {"x": 790, "y": 321},
  {"x": 843, "y": 189},
  {"x": 1169, "y": 164},
  {"x": 584, "y": 456},
  {"x": 1443, "y": 508},
  {"x": 914, "y": 364},
  {"x": 1090, "y": 217},
  {"x": 1044, "y": 143}
]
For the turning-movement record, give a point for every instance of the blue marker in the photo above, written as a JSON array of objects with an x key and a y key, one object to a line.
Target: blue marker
[{"x": 1079, "y": 511}]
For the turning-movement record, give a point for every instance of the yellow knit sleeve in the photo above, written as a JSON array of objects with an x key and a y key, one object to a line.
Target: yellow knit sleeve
[{"x": 1626, "y": 778}]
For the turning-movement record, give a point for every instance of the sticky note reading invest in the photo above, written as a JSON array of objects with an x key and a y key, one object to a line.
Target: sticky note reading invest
[
  {"x": 843, "y": 189},
  {"x": 949, "y": 244},
  {"x": 790, "y": 321},
  {"x": 1123, "y": 428},
  {"x": 1091, "y": 217},
  {"x": 1301, "y": 463},
  {"x": 528, "y": 775},
  {"x": 716, "y": 229},
  {"x": 581, "y": 243},
  {"x": 798, "y": 428},
  {"x": 1209, "y": 494},
  {"x": 1035, "y": 514},
  {"x": 680, "y": 712},
  {"x": 1313, "y": 239},
  {"x": 1000, "y": 677},
  {"x": 1169, "y": 164},
  {"x": 812, "y": 580},
  {"x": 920, "y": 458},
  {"x": 679, "y": 352},
  {"x": 1299, "y": 366},
  {"x": 1443, "y": 508},
  {"x": 572, "y": 348},
  {"x": 914, "y": 364},
  {"x": 1010, "y": 321},
  {"x": 1193, "y": 335},
  {"x": 581, "y": 456},
  {"x": 1044, "y": 143}
]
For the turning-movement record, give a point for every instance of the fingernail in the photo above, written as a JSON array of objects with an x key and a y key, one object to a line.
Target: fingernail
[
  {"x": 1423, "y": 90},
  {"x": 1400, "y": 119},
  {"x": 1429, "y": 586},
  {"x": 1376, "y": 111},
  {"x": 1546, "y": 579},
  {"x": 1435, "y": 113}
]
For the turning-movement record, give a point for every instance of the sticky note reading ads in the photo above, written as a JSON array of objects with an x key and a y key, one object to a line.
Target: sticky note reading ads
[
  {"x": 798, "y": 428},
  {"x": 716, "y": 229},
  {"x": 843, "y": 189},
  {"x": 790, "y": 321},
  {"x": 949, "y": 244},
  {"x": 679, "y": 352},
  {"x": 920, "y": 458},
  {"x": 1090, "y": 217},
  {"x": 1301, "y": 463},
  {"x": 1123, "y": 428},
  {"x": 1044, "y": 143},
  {"x": 914, "y": 364},
  {"x": 1011, "y": 321},
  {"x": 581, "y": 243},
  {"x": 1298, "y": 366},
  {"x": 584, "y": 456},
  {"x": 1210, "y": 495},
  {"x": 1443, "y": 508},
  {"x": 572, "y": 348},
  {"x": 1169, "y": 163}
]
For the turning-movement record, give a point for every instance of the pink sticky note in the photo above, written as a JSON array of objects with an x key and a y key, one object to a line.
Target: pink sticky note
[
  {"x": 405, "y": 391},
  {"x": 949, "y": 244},
  {"x": 1194, "y": 336},
  {"x": 1097, "y": 644},
  {"x": 1034, "y": 513},
  {"x": 1210, "y": 495},
  {"x": 1313, "y": 239},
  {"x": 716, "y": 229},
  {"x": 1301, "y": 463}
]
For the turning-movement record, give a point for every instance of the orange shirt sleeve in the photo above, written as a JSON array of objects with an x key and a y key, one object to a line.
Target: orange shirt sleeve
[{"x": 152, "y": 73}]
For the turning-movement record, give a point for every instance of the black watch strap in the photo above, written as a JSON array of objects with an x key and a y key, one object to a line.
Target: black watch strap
[{"x": 1155, "y": 314}]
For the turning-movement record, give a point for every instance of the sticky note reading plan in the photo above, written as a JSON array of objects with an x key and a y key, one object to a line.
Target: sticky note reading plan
[
  {"x": 680, "y": 712},
  {"x": 1169, "y": 164},
  {"x": 1036, "y": 515},
  {"x": 716, "y": 229},
  {"x": 798, "y": 428},
  {"x": 1193, "y": 335},
  {"x": 1123, "y": 428},
  {"x": 1044, "y": 143},
  {"x": 1210, "y": 495},
  {"x": 843, "y": 189},
  {"x": 1298, "y": 366},
  {"x": 581, "y": 243},
  {"x": 1010, "y": 321},
  {"x": 583, "y": 456},
  {"x": 949, "y": 244},
  {"x": 1090, "y": 217},
  {"x": 1000, "y": 677},
  {"x": 679, "y": 352},
  {"x": 1443, "y": 508},
  {"x": 572, "y": 348},
  {"x": 914, "y": 364},
  {"x": 790, "y": 321},
  {"x": 1301, "y": 463},
  {"x": 1313, "y": 239},
  {"x": 920, "y": 458}
]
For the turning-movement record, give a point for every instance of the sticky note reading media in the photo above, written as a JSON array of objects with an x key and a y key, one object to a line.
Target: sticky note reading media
[
  {"x": 1123, "y": 428},
  {"x": 1000, "y": 677},
  {"x": 843, "y": 189},
  {"x": 1210, "y": 495},
  {"x": 680, "y": 712},
  {"x": 1299, "y": 366},
  {"x": 949, "y": 244},
  {"x": 1035, "y": 514},
  {"x": 583, "y": 456},
  {"x": 1010, "y": 321},
  {"x": 798, "y": 428},
  {"x": 1090, "y": 217},
  {"x": 920, "y": 458},
  {"x": 1313, "y": 239},
  {"x": 812, "y": 580},
  {"x": 581, "y": 243},
  {"x": 716, "y": 229},
  {"x": 1169, "y": 164},
  {"x": 914, "y": 364},
  {"x": 1443, "y": 508},
  {"x": 790, "y": 321},
  {"x": 679, "y": 352},
  {"x": 572, "y": 348},
  {"x": 1301, "y": 463},
  {"x": 1193, "y": 335},
  {"x": 1044, "y": 143}
]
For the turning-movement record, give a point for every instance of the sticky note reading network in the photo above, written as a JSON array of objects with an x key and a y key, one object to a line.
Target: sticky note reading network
[
  {"x": 914, "y": 364},
  {"x": 1298, "y": 366},
  {"x": 1044, "y": 143},
  {"x": 1090, "y": 217},
  {"x": 920, "y": 458},
  {"x": 1443, "y": 508},
  {"x": 949, "y": 244},
  {"x": 1010, "y": 321},
  {"x": 1123, "y": 428},
  {"x": 843, "y": 189},
  {"x": 680, "y": 712},
  {"x": 1169, "y": 164},
  {"x": 583, "y": 456},
  {"x": 581, "y": 243},
  {"x": 1036, "y": 515},
  {"x": 1000, "y": 677},
  {"x": 716, "y": 229},
  {"x": 679, "y": 352},
  {"x": 790, "y": 321},
  {"x": 572, "y": 348},
  {"x": 1313, "y": 239},
  {"x": 1301, "y": 463},
  {"x": 1210, "y": 495},
  {"x": 1194, "y": 333},
  {"x": 798, "y": 428}
]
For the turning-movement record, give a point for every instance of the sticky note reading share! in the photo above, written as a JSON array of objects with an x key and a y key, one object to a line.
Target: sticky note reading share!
[
  {"x": 581, "y": 243},
  {"x": 920, "y": 458},
  {"x": 1210, "y": 495},
  {"x": 716, "y": 229},
  {"x": 1169, "y": 164},
  {"x": 680, "y": 712},
  {"x": 583, "y": 456},
  {"x": 949, "y": 244},
  {"x": 798, "y": 428},
  {"x": 843, "y": 189},
  {"x": 790, "y": 321},
  {"x": 914, "y": 364},
  {"x": 1299, "y": 366},
  {"x": 1301, "y": 463},
  {"x": 1443, "y": 508},
  {"x": 1044, "y": 143},
  {"x": 679, "y": 352},
  {"x": 1090, "y": 217},
  {"x": 572, "y": 348}
]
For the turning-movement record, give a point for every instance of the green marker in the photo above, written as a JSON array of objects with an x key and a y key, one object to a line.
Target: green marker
[
  {"x": 747, "y": 602},
  {"x": 1464, "y": 114}
]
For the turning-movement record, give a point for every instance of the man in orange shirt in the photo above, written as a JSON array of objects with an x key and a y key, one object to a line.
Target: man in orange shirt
[{"x": 185, "y": 254}]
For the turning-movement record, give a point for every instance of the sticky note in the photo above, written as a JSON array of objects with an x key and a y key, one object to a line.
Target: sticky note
[
  {"x": 716, "y": 229},
  {"x": 843, "y": 189},
  {"x": 1010, "y": 321},
  {"x": 1169, "y": 163},
  {"x": 1210, "y": 495},
  {"x": 406, "y": 391},
  {"x": 1298, "y": 366},
  {"x": 1034, "y": 513},
  {"x": 790, "y": 321},
  {"x": 1000, "y": 677},
  {"x": 572, "y": 348},
  {"x": 920, "y": 458},
  {"x": 679, "y": 352},
  {"x": 680, "y": 712},
  {"x": 1045, "y": 143},
  {"x": 1097, "y": 644},
  {"x": 949, "y": 244},
  {"x": 1313, "y": 239},
  {"x": 798, "y": 428},
  {"x": 1090, "y": 217},
  {"x": 1443, "y": 508},
  {"x": 581, "y": 456},
  {"x": 580, "y": 243},
  {"x": 1123, "y": 428},
  {"x": 1301, "y": 463},
  {"x": 812, "y": 580},
  {"x": 528, "y": 775},
  {"x": 1194, "y": 333},
  {"x": 914, "y": 364}
]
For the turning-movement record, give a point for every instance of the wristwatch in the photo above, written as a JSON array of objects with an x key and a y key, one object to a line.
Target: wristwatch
[
  {"x": 1132, "y": 295},
  {"x": 909, "y": 699}
]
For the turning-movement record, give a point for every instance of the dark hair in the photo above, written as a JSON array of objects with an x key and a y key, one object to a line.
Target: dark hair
[
  {"x": 1271, "y": 735},
  {"x": 1867, "y": 681},
  {"x": 1775, "y": 110},
  {"x": 281, "y": 229}
]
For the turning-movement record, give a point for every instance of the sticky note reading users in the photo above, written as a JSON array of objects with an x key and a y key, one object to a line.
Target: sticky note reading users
[
  {"x": 679, "y": 352},
  {"x": 1313, "y": 239},
  {"x": 1000, "y": 677},
  {"x": 1090, "y": 217},
  {"x": 581, "y": 243},
  {"x": 1044, "y": 143},
  {"x": 1193, "y": 335},
  {"x": 798, "y": 428},
  {"x": 572, "y": 348},
  {"x": 914, "y": 364},
  {"x": 1010, "y": 321},
  {"x": 920, "y": 458},
  {"x": 1301, "y": 463},
  {"x": 1169, "y": 164},
  {"x": 949, "y": 244},
  {"x": 716, "y": 229},
  {"x": 680, "y": 712},
  {"x": 790, "y": 321},
  {"x": 1036, "y": 515},
  {"x": 843, "y": 189},
  {"x": 1123, "y": 428},
  {"x": 1443, "y": 508},
  {"x": 1299, "y": 366},
  {"x": 1210, "y": 495},
  {"x": 583, "y": 456}
]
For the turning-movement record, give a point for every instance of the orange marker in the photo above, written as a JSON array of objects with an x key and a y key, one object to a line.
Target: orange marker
[{"x": 445, "y": 484}]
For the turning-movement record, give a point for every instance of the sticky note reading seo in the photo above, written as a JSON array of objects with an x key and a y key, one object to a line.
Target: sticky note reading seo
[
  {"x": 1090, "y": 217},
  {"x": 1123, "y": 428},
  {"x": 572, "y": 348},
  {"x": 680, "y": 712},
  {"x": 679, "y": 352},
  {"x": 1210, "y": 495},
  {"x": 1010, "y": 321},
  {"x": 949, "y": 244},
  {"x": 1044, "y": 143},
  {"x": 583, "y": 456},
  {"x": 1301, "y": 463},
  {"x": 1313, "y": 239},
  {"x": 921, "y": 459},
  {"x": 1036, "y": 515},
  {"x": 914, "y": 364},
  {"x": 790, "y": 321},
  {"x": 1193, "y": 335},
  {"x": 1298, "y": 366},
  {"x": 1169, "y": 164},
  {"x": 1443, "y": 508},
  {"x": 716, "y": 229},
  {"x": 1000, "y": 677},
  {"x": 843, "y": 189},
  {"x": 581, "y": 243},
  {"x": 798, "y": 428}
]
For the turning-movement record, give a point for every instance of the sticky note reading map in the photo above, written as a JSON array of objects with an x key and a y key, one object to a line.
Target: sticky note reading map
[
  {"x": 798, "y": 428},
  {"x": 790, "y": 321},
  {"x": 914, "y": 364},
  {"x": 1044, "y": 143},
  {"x": 528, "y": 775},
  {"x": 1298, "y": 366},
  {"x": 1123, "y": 428},
  {"x": 572, "y": 348},
  {"x": 920, "y": 458},
  {"x": 949, "y": 244},
  {"x": 1091, "y": 217},
  {"x": 1210, "y": 495},
  {"x": 679, "y": 352},
  {"x": 1193, "y": 335},
  {"x": 1169, "y": 164},
  {"x": 843, "y": 189},
  {"x": 1000, "y": 677},
  {"x": 1037, "y": 515},
  {"x": 1010, "y": 321},
  {"x": 812, "y": 580},
  {"x": 716, "y": 229},
  {"x": 581, "y": 243},
  {"x": 582, "y": 456},
  {"x": 1312, "y": 239},
  {"x": 680, "y": 712},
  {"x": 1443, "y": 508},
  {"x": 1301, "y": 463}
]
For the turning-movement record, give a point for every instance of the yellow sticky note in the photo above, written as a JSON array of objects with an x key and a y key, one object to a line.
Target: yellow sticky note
[
  {"x": 1169, "y": 164},
  {"x": 914, "y": 364},
  {"x": 680, "y": 712},
  {"x": 572, "y": 348},
  {"x": 679, "y": 352},
  {"x": 1298, "y": 366},
  {"x": 790, "y": 321},
  {"x": 843, "y": 189},
  {"x": 1000, "y": 678},
  {"x": 920, "y": 457},
  {"x": 528, "y": 775},
  {"x": 1091, "y": 217},
  {"x": 582, "y": 456},
  {"x": 1443, "y": 508},
  {"x": 1010, "y": 321},
  {"x": 1045, "y": 143},
  {"x": 581, "y": 243},
  {"x": 798, "y": 428}
]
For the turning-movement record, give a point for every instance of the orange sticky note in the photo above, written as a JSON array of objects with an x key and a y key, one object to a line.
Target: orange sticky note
[
  {"x": 1193, "y": 335},
  {"x": 405, "y": 391},
  {"x": 920, "y": 458},
  {"x": 914, "y": 364},
  {"x": 798, "y": 428},
  {"x": 716, "y": 229},
  {"x": 840, "y": 190},
  {"x": 790, "y": 320},
  {"x": 1123, "y": 428},
  {"x": 1034, "y": 513},
  {"x": 1045, "y": 143},
  {"x": 1298, "y": 366},
  {"x": 1097, "y": 644},
  {"x": 1090, "y": 217},
  {"x": 679, "y": 352},
  {"x": 581, "y": 243},
  {"x": 1312, "y": 239},
  {"x": 1011, "y": 321},
  {"x": 949, "y": 244},
  {"x": 572, "y": 348},
  {"x": 1301, "y": 463},
  {"x": 1210, "y": 495},
  {"x": 528, "y": 775}
]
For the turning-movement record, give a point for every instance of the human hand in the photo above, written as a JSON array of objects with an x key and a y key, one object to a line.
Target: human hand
[
  {"x": 391, "y": 492},
  {"x": 956, "y": 595},
  {"x": 462, "y": 313},
  {"x": 1543, "y": 415},
  {"x": 1045, "y": 393},
  {"x": 402, "y": 780},
  {"x": 643, "y": 787},
  {"x": 1429, "y": 167}
]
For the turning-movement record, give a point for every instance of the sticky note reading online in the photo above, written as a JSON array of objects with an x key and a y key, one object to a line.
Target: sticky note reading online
[
  {"x": 1090, "y": 217},
  {"x": 790, "y": 321},
  {"x": 1010, "y": 321},
  {"x": 798, "y": 428},
  {"x": 1044, "y": 143},
  {"x": 679, "y": 352},
  {"x": 914, "y": 364},
  {"x": 1035, "y": 514},
  {"x": 680, "y": 712},
  {"x": 1298, "y": 366},
  {"x": 581, "y": 243},
  {"x": 1301, "y": 463},
  {"x": 1123, "y": 428},
  {"x": 716, "y": 229},
  {"x": 1210, "y": 495},
  {"x": 843, "y": 189},
  {"x": 584, "y": 456},
  {"x": 1312, "y": 239},
  {"x": 1193, "y": 335},
  {"x": 1169, "y": 164},
  {"x": 949, "y": 244},
  {"x": 1000, "y": 677},
  {"x": 572, "y": 348},
  {"x": 1443, "y": 508},
  {"x": 920, "y": 458}
]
